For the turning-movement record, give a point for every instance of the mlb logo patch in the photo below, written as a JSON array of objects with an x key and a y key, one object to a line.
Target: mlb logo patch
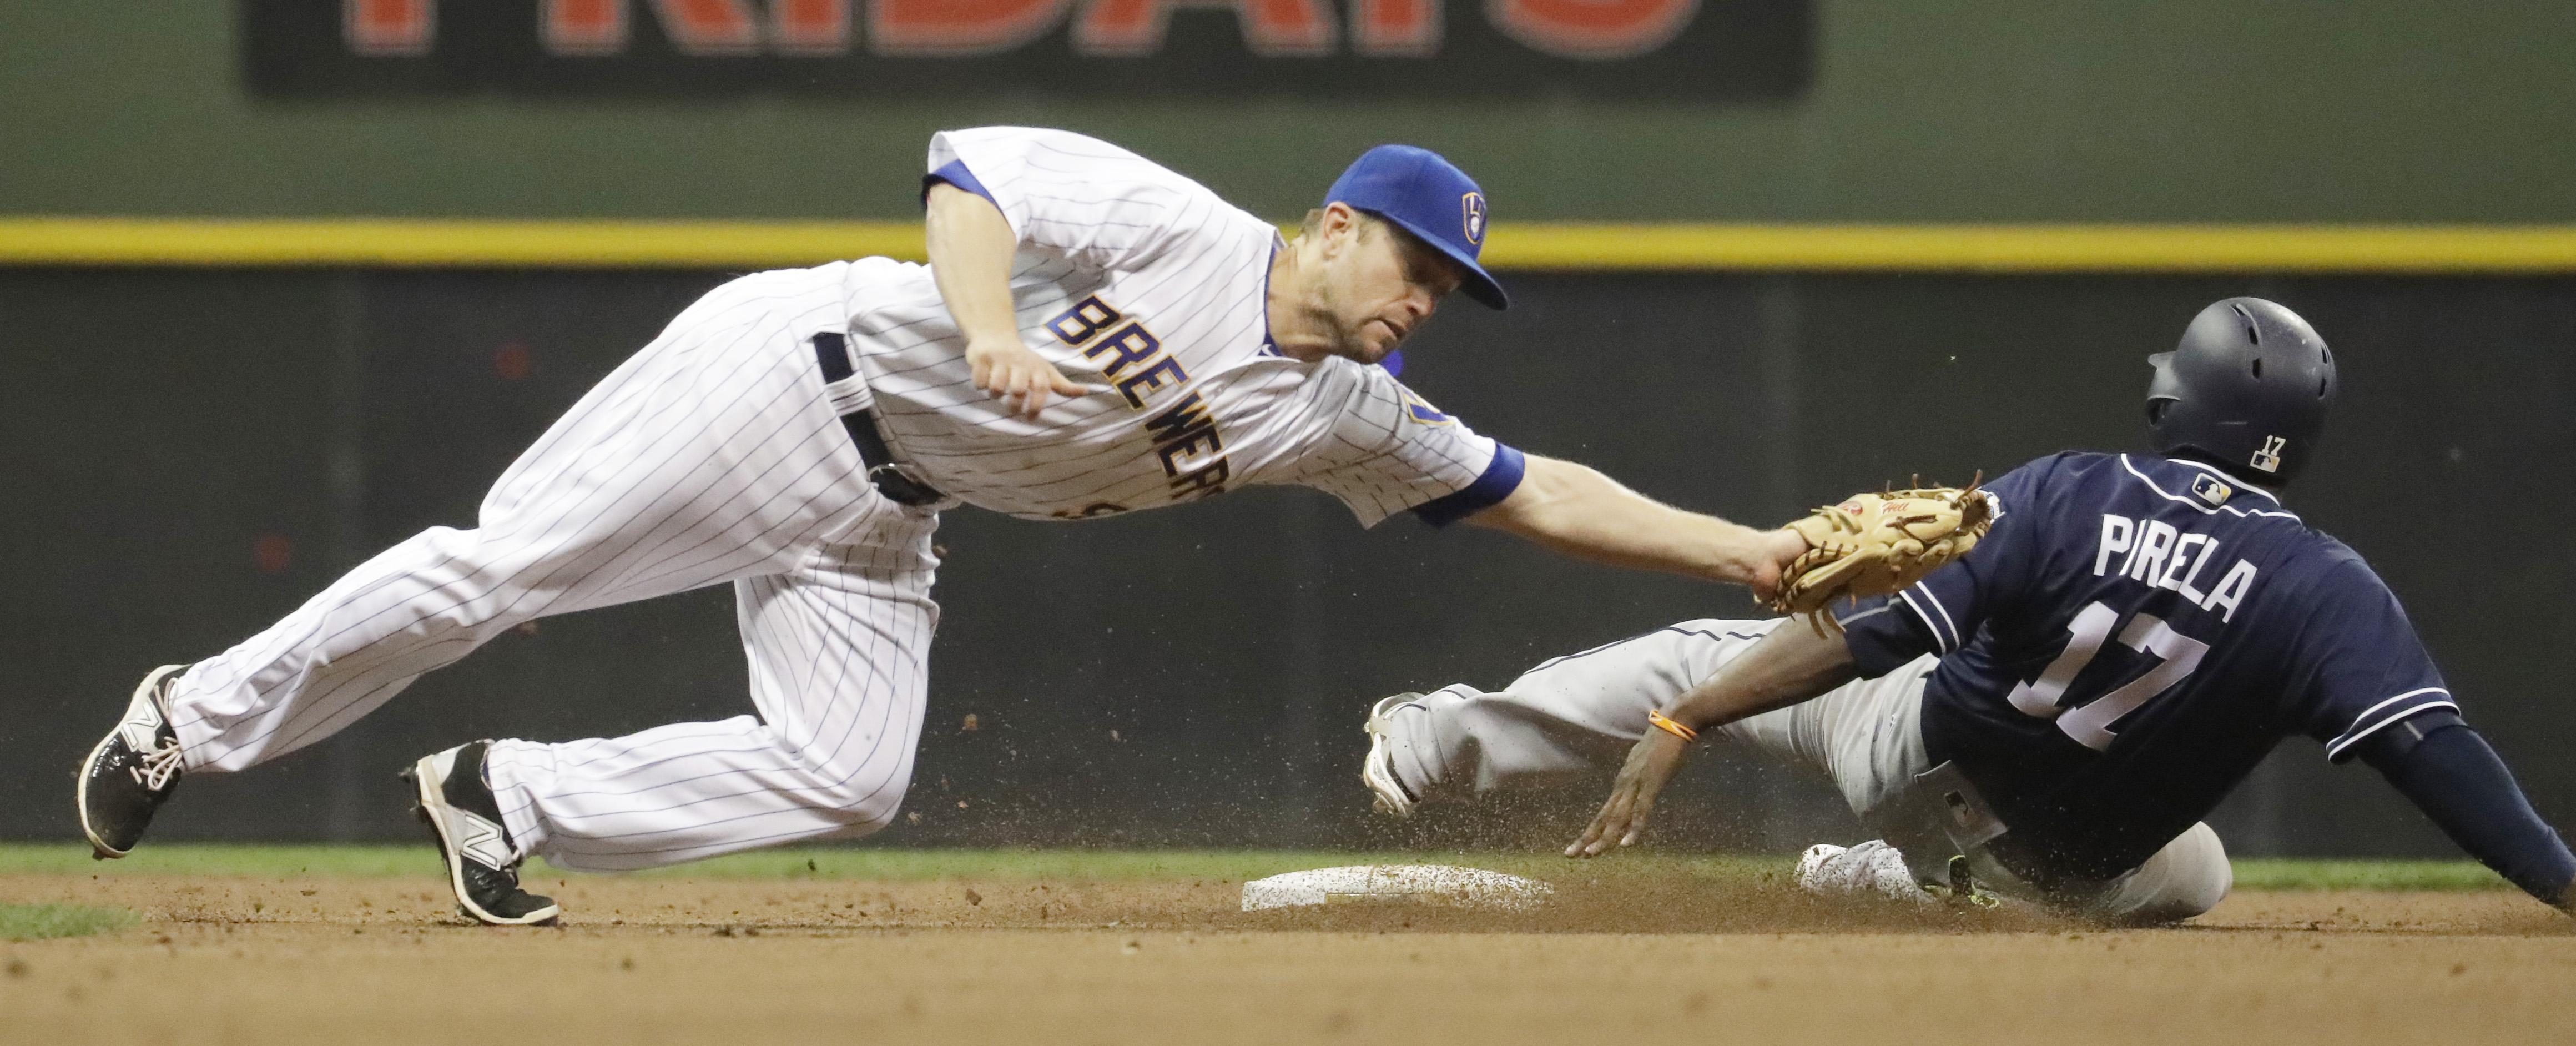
[
  {"x": 1473, "y": 206},
  {"x": 2207, "y": 488},
  {"x": 2269, "y": 458}
]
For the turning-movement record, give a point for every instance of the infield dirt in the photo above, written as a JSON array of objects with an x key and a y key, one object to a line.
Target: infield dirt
[{"x": 651, "y": 960}]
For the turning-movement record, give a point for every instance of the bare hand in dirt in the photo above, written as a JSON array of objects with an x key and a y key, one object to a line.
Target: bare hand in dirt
[
  {"x": 1650, "y": 766},
  {"x": 1018, "y": 376}
]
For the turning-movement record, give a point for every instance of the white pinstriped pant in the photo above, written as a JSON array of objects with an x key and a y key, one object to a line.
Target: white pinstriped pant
[{"x": 713, "y": 455}]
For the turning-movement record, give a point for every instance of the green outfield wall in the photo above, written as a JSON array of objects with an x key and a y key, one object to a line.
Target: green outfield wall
[
  {"x": 216, "y": 394},
  {"x": 193, "y": 453},
  {"x": 1964, "y": 111}
]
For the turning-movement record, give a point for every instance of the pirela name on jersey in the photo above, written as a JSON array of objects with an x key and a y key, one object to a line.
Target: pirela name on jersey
[
  {"x": 1132, "y": 359},
  {"x": 2158, "y": 555}
]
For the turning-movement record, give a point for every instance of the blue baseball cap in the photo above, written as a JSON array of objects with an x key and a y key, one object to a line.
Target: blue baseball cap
[{"x": 1429, "y": 197}]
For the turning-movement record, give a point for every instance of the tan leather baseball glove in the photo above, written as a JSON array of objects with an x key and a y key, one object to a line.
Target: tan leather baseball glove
[{"x": 1876, "y": 544}]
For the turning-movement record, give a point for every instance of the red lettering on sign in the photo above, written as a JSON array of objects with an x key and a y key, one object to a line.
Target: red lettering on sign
[
  {"x": 1396, "y": 27},
  {"x": 583, "y": 26},
  {"x": 694, "y": 26},
  {"x": 1270, "y": 27},
  {"x": 387, "y": 26},
  {"x": 709, "y": 26},
  {"x": 812, "y": 26},
  {"x": 1592, "y": 28},
  {"x": 959, "y": 26}
]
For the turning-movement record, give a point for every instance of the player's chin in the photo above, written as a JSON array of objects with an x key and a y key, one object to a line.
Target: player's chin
[
  {"x": 1365, "y": 346},
  {"x": 1376, "y": 343}
]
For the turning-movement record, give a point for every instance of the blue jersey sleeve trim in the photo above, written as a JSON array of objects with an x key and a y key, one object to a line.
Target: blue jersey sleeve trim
[
  {"x": 1502, "y": 476},
  {"x": 1937, "y": 621},
  {"x": 2379, "y": 716},
  {"x": 954, "y": 172}
]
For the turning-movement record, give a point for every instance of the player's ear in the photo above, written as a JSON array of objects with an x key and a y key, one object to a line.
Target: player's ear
[{"x": 1339, "y": 227}]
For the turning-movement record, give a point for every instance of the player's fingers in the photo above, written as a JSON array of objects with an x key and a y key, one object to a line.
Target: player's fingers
[
  {"x": 1033, "y": 391},
  {"x": 1592, "y": 840},
  {"x": 1010, "y": 386},
  {"x": 1636, "y": 826},
  {"x": 1608, "y": 837},
  {"x": 1583, "y": 842},
  {"x": 1610, "y": 825},
  {"x": 1593, "y": 832},
  {"x": 1582, "y": 846},
  {"x": 1611, "y": 832}
]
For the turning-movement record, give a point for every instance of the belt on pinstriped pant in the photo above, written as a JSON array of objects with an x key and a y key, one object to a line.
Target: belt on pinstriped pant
[{"x": 833, "y": 352}]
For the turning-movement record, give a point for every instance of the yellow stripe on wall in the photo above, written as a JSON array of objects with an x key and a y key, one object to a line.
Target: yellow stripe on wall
[
  {"x": 406, "y": 243},
  {"x": 438, "y": 243},
  {"x": 2040, "y": 248}
]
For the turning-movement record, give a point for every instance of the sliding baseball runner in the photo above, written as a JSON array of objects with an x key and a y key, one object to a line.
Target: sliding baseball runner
[
  {"x": 1095, "y": 335},
  {"x": 2050, "y": 717}
]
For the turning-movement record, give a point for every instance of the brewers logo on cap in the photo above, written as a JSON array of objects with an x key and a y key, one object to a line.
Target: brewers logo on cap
[{"x": 1474, "y": 205}]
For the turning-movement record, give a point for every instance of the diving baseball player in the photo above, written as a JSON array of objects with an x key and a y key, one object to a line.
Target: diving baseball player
[
  {"x": 2049, "y": 717},
  {"x": 1095, "y": 334}
]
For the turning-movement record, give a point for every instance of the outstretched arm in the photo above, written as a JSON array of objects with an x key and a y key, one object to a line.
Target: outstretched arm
[
  {"x": 1568, "y": 508},
  {"x": 1792, "y": 664},
  {"x": 2457, "y": 780},
  {"x": 971, "y": 247}
]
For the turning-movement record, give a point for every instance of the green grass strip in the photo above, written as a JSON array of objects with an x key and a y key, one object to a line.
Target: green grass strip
[
  {"x": 1031, "y": 865},
  {"x": 2274, "y": 873},
  {"x": 221, "y": 859},
  {"x": 826, "y": 863},
  {"x": 1160, "y": 865},
  {"x": 1105, "y": 865},
  {"x": 36, "y": 922}
]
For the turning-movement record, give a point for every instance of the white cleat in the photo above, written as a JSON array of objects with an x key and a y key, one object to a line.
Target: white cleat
[
  {"x": 1378, "y": 770},
  {"x": 1872, "y": 870}
]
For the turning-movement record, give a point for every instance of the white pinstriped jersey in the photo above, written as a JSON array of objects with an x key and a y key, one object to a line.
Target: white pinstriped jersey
[
  {"x": 718, "y": 453},
  {"x": 1151, "y": 291}
]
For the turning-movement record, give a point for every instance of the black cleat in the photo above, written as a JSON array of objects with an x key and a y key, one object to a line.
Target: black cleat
[
  {"x": 481, "y": 865},
  {"x": 131, "y": 772}
]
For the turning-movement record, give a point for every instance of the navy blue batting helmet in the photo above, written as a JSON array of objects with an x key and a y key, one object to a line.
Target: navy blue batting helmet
[{"x": 2247, "y": 390}]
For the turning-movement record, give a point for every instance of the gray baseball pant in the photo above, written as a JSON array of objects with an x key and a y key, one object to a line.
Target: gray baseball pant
[{"x": 1578, "y": 714}]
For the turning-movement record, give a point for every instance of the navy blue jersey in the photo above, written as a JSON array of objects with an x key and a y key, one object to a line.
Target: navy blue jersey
[{"x": 2130, "y": 639}]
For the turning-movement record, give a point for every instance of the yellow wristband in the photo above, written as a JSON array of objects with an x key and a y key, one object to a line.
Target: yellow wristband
[{"x": 1666, "y": 724}]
